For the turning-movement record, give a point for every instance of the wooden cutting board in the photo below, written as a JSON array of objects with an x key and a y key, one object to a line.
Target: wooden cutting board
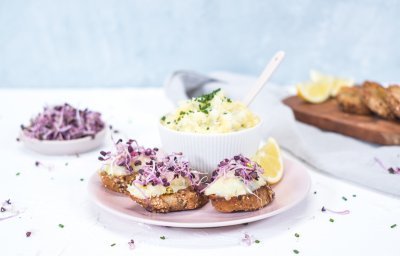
[{"x": 327, "y": 116}]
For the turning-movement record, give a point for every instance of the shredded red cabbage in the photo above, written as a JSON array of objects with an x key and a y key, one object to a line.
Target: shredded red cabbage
[
  {"x": 64, "y": 122},
  {"x": 164, "y": 170},
  {"x": 242, "y": 166},
  {"x": 128, "y": 154}
]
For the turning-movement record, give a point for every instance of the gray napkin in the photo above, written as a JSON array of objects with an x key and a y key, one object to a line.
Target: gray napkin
[{"x": 332, "y": 153}]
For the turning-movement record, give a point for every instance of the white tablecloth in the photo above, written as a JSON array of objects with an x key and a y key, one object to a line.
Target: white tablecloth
[{"x": 54, "y": 194}]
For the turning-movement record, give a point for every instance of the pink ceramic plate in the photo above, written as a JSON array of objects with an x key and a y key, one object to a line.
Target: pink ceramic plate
[{"x": 291, "y": 190}]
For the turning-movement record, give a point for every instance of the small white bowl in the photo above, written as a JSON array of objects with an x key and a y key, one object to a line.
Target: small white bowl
[
  {"x": 206, "y": 150},
  {"x": 64, "y": 147}
]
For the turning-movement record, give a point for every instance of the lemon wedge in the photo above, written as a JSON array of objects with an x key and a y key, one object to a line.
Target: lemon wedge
[
  {"x": 270, "y": 159},
  {"x": 314, "y": 92},
  {"x": 336, "y": 83}
]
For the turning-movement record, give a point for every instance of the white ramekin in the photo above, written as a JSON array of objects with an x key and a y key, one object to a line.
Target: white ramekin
[{"x": 205, "y": 151}]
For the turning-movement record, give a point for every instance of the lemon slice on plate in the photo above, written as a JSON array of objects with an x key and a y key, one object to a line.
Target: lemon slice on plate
[
  {"x": 314, "y": 92},
  {"x": 270, "y": 159}
]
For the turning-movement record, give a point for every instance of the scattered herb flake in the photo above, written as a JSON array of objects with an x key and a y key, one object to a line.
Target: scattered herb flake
[
  {"x": 162, "y": 237},
  {"x": 354, "y": 195},
  {"x": 296, "y": 235},
  {"x": 163, "y": 118},
  {"x": 112, "y": 245},
  {"x": 66, "y": 164},
  {"x": 296, "y": 251},
  {"x": 344, "y": 198},
  {"x": 315, "y": 192},
  {"x": 28, "y": 234},
  {"x": 18, "y": 139},
  {"x": 61, "y": 225},
  {"x": 18, "y": 173},
  {"x": 257, "y": 241},
  {"x": 82, "y": 179},
  {"x": 393, "y": 226},
  {"x": 331, "y": 220}
]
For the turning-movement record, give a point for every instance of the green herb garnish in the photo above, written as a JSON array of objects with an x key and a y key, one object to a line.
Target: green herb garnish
[
  {"x": 354, "y": 195},
  {"x": 18, "y": 173},
  {"x": 296, "y": 235},
  {"x": 331, "y": 220},
  {"x": 204, "y": 101},
  {"x": 393, "y": 226},
  {"x": 113, "y": 244},
  {"x": 82, "y": 179},
  {"x": 344, "y": 198},
  {"x": 61, "y": 225},
  {"x": 163, "y": 118},
  {"x": 162, "y": 237},
  {"x": 296, "y": 251},
  {"x": 257, "y": 241}
]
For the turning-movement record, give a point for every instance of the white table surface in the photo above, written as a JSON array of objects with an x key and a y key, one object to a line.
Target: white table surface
[{"x": 54, "y": 194}]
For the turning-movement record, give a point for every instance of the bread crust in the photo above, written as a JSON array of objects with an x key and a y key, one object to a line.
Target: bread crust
[
  {"x": 393, "y": 98},
  {"x": 243, "y": 203},
  {"x": 375, "y": 97},
  {"x": 182, "y": 200},
  {"x": 350, "y": 101},
  {"x": 115, "y": 183}
]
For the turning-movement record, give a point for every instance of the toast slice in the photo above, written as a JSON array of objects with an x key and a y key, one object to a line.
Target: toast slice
[
  {"x": 115, "y": 183},
  {"x": 182, "y": 200},
  {"x": 244, "y": 203}
]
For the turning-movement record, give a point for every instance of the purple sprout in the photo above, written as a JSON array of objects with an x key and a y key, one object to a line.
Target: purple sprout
[
  {"x": 242, "y": 167},
  {"x": 131, "y": 244},
  {"x": 64, "y": 122},
  {"x": 164, "y": 170},
  {"x": 324, "y": 209},
  {"x": 127, "y": 154}
]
